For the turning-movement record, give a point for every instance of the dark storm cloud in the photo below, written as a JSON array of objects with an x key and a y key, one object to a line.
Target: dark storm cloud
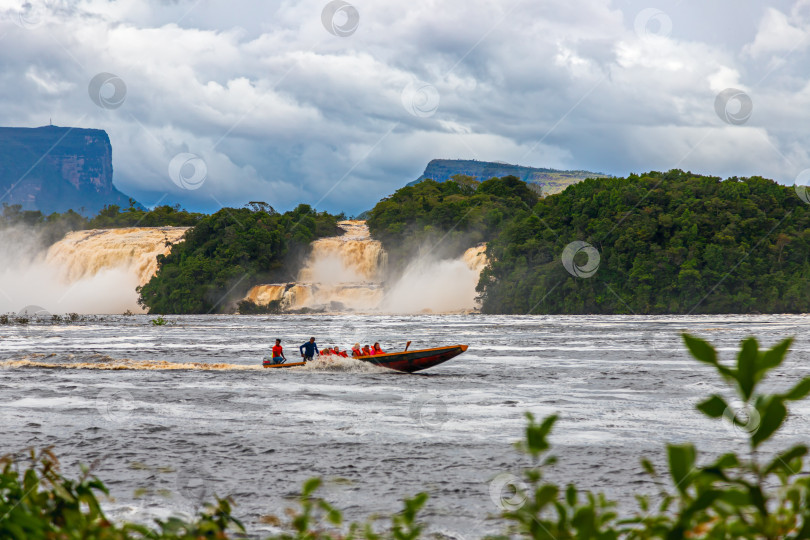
[{"x": 279, "y": 109}]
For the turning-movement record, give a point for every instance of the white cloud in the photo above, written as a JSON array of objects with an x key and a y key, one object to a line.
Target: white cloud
[
  {"x": 281, "y": 110},
  {"x": 777, "y": 34}
]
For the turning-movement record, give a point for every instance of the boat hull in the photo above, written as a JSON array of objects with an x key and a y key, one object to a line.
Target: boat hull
[
  {"x": 411, "y": 361},
  {"x": 291, "y": 364}
]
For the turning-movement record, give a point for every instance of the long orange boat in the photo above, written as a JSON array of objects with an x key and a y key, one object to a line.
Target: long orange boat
[
  {"x": 407, "y": 361},
  {"x": 410, "y": 361}
]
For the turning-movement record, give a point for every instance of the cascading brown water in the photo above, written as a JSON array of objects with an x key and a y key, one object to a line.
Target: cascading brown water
[
  {"x": 92, "y": 271},
  {"x": 341, "y": 273},
  {"x": 83, "y": 254},
  {"x": 346, "y": 273}
]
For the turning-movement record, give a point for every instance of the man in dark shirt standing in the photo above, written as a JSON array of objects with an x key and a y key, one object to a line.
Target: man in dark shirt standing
[{"x": 309, "y": 350}]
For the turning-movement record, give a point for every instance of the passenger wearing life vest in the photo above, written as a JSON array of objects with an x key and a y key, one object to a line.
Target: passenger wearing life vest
[
  {"x": 378, "y": 349},
  {"x": 367, "y": 351},
  {"x": 338, "y": 352},
  {"x": 356, "y": 351}
]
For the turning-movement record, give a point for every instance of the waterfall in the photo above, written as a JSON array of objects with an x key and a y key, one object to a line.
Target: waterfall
[
  {"x": 341, "y": 273},
  {"x": 97, "y": 271},
  {"x": 83, "y": 254},
  {"x": 92, "y": 271},
  {"x": 347, "y": 273},
  {"x": 431, "y": 285}
]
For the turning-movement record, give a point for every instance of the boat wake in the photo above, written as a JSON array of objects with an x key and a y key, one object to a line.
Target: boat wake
[
  {"x": 108, "y": 363},
  {"x": 338, "y": 364},
  {"x": 103, "y": 362}
]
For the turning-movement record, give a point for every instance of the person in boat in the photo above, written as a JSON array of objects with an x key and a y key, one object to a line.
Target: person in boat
[
  {"x": 356, "y": 351},
  {"x": 337, "y": 352},
  {"x": 367, "y": 351},
  {"x": 278, "y": 353},
  {"x": 309, "y": 350},
  {"x": 377, "y": 348}
]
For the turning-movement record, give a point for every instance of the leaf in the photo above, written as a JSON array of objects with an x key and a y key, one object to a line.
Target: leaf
[
  {"x": 63, "y": 493},
  {"x": 583, "y": 520},
  {"x": 310, "y": 486},
  {"x": 571, "y": 495},
  {"x": 536, "y": 434},
  {"x": 681, "y": 464},
  {"x": 545, "y": 495},
  {"x": 700, "y": 349},
  {"x": 714, "y": 407},
  {"x": 771, "y": 417},
  {"x": 747, "y": 367},
  {"x": 799, "y": 391},
  {"x": 736, "y": 498},
  {"x": 773, "y": 357},
  {"x": 782, "y": 461},
  {"x": 648, "y": 466}
]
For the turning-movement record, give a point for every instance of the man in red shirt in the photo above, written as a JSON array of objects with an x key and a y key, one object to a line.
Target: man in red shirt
[{"x": 278, "y": 353}]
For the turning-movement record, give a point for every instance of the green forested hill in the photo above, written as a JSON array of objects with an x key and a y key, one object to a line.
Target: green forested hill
[
  {"x": 228, "y": 252},
  {"x": 443, "y": 219},
  {"x": 668, "y": 243}
]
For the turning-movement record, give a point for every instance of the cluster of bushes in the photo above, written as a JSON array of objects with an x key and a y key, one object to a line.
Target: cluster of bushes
[
  {"x": 228, "y": 252},
  {"x": 734, "y": 496},
  {"x": 7, "y": 318},
  {"x": 671, "y": 242}
]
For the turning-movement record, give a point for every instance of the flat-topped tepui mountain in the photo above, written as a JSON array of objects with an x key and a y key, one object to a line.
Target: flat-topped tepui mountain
[
  {"x": 54, "y": 169},
  {"x": 550, "y": 180}
]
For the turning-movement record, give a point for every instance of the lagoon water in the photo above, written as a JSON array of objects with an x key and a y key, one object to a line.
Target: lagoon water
[{"x": 170, "y": 415}]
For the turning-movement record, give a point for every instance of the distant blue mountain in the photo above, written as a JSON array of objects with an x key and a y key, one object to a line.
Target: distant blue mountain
[
  {"x": 550, "y": 180},
  {"x": 54, "y": 169}
]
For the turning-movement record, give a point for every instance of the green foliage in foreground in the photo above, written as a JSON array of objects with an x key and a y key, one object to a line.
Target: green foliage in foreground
[
  {"x": 671, "y": 242},
  {"x": 447, "y": 218},
  {"x": 228, "y": 252},
  {"x": 733, "y": 496}
]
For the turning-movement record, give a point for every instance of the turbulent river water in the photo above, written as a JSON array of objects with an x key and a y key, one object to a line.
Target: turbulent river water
[{"x": 170, "y": 415}]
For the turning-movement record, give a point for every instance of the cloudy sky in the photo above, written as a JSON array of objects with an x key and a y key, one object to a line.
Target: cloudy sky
[{"x": 338, "y": 104}]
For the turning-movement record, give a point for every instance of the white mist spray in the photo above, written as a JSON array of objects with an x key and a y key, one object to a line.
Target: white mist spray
[{"x": 86, "y": 272}]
